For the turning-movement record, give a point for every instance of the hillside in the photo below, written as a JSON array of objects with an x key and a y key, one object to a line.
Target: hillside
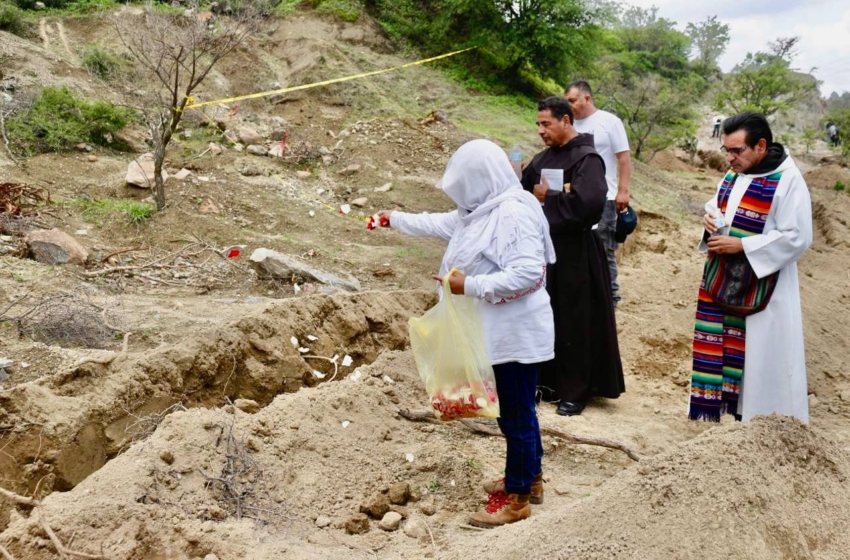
[{"x": 121, "y": 436}]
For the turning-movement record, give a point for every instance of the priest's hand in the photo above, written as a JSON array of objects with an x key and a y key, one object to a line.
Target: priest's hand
[
  {"x": 709, "y": 223},
  {"x": 725, "y": 245},
  {"x": 540, "y": 192},
  {"x": 456, "y": 282}
]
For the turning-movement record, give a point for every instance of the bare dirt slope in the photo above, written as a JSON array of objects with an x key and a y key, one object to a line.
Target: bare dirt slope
[{"x": 123, "y": 470}]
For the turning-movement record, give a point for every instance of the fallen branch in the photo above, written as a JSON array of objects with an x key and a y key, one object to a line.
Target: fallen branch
[
  {"x": 63, "y": 551},
  {"x": 489, "y": 428}
]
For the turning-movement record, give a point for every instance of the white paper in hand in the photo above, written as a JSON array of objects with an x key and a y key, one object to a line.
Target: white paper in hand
[{"x": 554, "y": 178}]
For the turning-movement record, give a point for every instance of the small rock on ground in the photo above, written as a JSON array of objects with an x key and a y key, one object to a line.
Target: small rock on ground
[
  {"x": 399, "y": 493},
  {"x": 390, "y": 522},
  {"x": 376, "y": 505},
  {"x": 415, "y": 528},
  {"x": 357, "y": 524},
  {"x": 247, "y": 405}
]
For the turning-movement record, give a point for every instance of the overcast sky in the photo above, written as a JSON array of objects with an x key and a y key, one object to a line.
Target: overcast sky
[{"x": 823, "y": 25}]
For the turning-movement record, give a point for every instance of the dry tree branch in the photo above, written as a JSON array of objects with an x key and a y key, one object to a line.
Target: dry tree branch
[
  {"x": 61, "y": 549},
  {"x": 490, "y": 429}
]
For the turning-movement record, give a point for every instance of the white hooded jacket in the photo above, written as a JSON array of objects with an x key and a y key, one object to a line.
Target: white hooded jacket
[{"x": 499, "y": 238}]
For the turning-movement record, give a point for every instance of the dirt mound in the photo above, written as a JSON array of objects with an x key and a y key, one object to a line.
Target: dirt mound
[
  {"x": 61, "y": 428},
  {"x": 765, "y": 490},
  {"x": 669, "y": 161},
  {"x": 827, "y": 176}
]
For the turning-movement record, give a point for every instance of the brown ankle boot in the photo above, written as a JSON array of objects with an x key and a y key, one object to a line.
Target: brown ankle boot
[
  {"x": 502, "y": 509},
  {"x": 498, "y": 485}
]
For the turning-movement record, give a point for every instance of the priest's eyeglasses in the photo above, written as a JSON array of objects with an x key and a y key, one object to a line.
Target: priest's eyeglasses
[{"x": 734, "y": 151}]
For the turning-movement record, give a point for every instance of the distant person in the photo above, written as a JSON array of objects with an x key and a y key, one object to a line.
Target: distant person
[
  {"x": 568, "y": 177},
  {"x": 716, "y": 132},
  {"x": 748, "y": 354},
  {"x": 832, "y": 133},
  {"x": 612, "y": 143},
  {"x": 499, "y": 239}
]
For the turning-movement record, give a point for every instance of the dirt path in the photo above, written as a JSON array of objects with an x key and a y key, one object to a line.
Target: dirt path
[{"x": 46, "y": 29}]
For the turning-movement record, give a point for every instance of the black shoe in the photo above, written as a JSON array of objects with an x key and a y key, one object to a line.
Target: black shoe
[{"x": 566, "y": 408}]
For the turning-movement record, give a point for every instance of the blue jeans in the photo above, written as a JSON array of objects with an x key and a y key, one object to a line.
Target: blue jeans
[
  {"x": 516, "y": 385},
  {"x": 606, "y": 230}
]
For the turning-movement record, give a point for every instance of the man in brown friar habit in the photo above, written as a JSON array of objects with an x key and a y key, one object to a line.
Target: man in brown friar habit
[{"x": 568, "y": 178}]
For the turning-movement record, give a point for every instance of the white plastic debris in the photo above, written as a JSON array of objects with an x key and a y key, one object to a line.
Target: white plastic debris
[
  {"x": 452, "y": 483},
  {"x": 345, "y": 209},
  {"x": 389, "y": 379},
  {"x": 356, "y": 375},
  {"x": 311, "y": 214},
  {"x": 312, "y": 338},
  {"x": 409, "y": 457},
  {"x": 347, "y": 361},
  {"x": 335, "y": 358},
  {"x": 318, "y": 374},
  {"x": 294, "y": 342},
  {"x": 303, "y": 350},
  {"x": 345, "y": 423},
  {"x": 296, "y": 288}
]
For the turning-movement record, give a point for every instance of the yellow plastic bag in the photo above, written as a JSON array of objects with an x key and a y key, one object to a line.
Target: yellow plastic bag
[{"x": 452, "y": 359}]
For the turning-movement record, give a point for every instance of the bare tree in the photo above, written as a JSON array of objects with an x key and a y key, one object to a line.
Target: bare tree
[{"x": 177, "y": 51}]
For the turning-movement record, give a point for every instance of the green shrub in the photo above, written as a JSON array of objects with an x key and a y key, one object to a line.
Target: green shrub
[
  {"x": 11, "y": 18},
  {"x": 73, "y": 6},
  {"x": 58, "y": 120},
  {"x": 102, "y": 63},
  {"x": 839, "y": 186},
  {"x": 346, "y": 10},
  {"x": 286, "y": 7}
]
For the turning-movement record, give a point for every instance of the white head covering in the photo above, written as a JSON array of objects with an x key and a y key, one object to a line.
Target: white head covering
[{"x": 479, "y": 179}]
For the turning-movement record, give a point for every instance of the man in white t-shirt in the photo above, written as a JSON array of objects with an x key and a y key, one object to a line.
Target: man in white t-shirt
[{"x": 611, "y": 141}]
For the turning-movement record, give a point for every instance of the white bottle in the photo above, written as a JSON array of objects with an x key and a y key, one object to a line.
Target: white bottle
[{"x": 516, "y": 160}]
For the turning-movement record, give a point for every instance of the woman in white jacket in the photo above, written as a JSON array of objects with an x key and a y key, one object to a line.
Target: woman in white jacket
[{"x": 499, "y": 240}]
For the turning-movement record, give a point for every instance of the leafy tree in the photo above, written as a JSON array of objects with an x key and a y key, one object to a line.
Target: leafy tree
[
  {"x": 810, "y": 136},
  {"x": 784, "y": 48},
  {"x": 520, "y": 39},
  {"x": 656, "y": 112},
  {"x": 709, "y": 40},
  {"x": 650, "y": 44},
  {"x": 763, "y": 82}
]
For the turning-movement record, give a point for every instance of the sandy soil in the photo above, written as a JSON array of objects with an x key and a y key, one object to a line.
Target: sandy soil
[{"x": 123, "y": 470}]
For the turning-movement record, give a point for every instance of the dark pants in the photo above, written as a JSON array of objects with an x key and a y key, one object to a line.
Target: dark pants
[
  {"x": 716, "y": 132},
  {"x": 516, "y": 385}
]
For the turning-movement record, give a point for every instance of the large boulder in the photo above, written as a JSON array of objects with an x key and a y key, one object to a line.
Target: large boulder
[
  {"x": 271, "y": 263},
  {"x": 56, "y": 247},
  {"x": 140, "y": 172}
]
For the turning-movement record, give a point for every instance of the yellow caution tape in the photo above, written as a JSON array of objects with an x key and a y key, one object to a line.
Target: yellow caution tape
[{"x": 191, "y": 104}]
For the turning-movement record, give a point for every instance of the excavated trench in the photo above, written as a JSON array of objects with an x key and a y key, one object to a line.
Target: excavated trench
[{"x": 56, "y": 431}]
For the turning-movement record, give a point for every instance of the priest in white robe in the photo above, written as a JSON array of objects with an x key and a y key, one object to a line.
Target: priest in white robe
[{"x": 755, "y": 364}]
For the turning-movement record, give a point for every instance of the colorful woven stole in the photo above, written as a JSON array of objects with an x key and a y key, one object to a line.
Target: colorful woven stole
[{"x": 720, "y": 337}]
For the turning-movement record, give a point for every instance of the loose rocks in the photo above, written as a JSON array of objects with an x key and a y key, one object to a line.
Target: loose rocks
[
  {"x": 376, "y": 506},
  {"x": 357, "y": 524},
  {"x": 390, "y": 522}
]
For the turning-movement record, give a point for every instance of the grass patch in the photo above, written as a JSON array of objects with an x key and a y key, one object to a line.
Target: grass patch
[
  {"x": 98, "y": 211},
  {"x": 839, "y": 186},
  {"x": 102, "y": 63},
  {"x": 55, "y": 7},
  {"x": 286, "y": 8},
  {"x": 58, "y": 120},
  {"x": 346, "y": 10}
]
